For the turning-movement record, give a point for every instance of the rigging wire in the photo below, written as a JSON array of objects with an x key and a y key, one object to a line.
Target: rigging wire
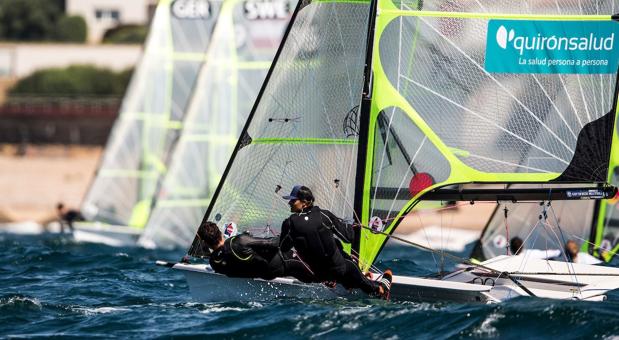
[{"x": 457, "y": 258}]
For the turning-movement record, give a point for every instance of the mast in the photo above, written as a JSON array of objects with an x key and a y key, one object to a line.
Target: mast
[{"x": 364, "y": 125}]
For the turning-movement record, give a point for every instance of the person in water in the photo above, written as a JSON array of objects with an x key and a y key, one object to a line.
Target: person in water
[
  {"x": 316, "y": 234},
  {"x": 516, "y": 246},
  {"x": 251, "y": 257},
  {"x": 572, "y": 250}
]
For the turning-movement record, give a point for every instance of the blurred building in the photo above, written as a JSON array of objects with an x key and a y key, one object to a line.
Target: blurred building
[{"x": 101, "y": 15}]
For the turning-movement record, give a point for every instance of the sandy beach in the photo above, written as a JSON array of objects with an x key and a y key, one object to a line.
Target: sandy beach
[{"x": 34, "y": 182}]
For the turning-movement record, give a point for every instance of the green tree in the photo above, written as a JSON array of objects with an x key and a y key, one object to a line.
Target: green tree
[
  {"x": 126, "y": 34},
  {"x": 71, "y": 28},
  {"x": 29, "y": 19},
  {"x": 73, "y": 81}
]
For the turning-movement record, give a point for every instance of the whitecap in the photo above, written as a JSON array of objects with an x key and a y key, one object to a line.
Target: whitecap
[
  {"x": 222, "y": 309},
  {"x": 99, "y": 310},
  {"x": 255, "y": 304},
  {"x": 486, "y": 328},
  {"x": 15, "y": 300}
]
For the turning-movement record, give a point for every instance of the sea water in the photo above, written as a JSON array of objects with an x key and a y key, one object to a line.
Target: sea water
[{"x": 53, "y": 287}]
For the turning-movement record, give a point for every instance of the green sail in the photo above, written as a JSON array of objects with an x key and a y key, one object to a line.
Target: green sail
[{"x": 435, "y": 111}]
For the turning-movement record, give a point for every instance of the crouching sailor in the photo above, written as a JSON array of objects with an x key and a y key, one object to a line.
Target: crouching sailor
[
  {"x": 312, "y": 232},
  {"x": 251, "y": 257}
]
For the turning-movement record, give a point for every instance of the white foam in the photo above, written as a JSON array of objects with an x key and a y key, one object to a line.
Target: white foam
[
  {"x": 20, "y": 299},
  {"x": 486, "y": 328},
  {"x": 99, "y": 310},
  {"x": 223, "y": 309}
]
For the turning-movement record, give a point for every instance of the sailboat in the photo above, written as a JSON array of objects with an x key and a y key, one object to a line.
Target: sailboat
[
  {"x": 378, "y": 105},
  {"x": 118, "y": 203},
  {"x": 246, "y": 37}
]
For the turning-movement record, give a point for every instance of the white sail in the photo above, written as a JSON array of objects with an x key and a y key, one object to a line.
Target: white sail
[
  {"x": 246, "y": 37},
  {"x": 137, "y": 150}
]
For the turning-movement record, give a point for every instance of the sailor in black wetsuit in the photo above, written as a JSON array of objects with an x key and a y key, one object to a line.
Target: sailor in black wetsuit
[
  {"x": 316, "y": 235},
  {"x": 246, "y": 256}
]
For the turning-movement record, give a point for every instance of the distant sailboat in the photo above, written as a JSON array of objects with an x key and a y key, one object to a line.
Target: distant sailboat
[
  {"x": 242, "y": 48},
  {"x": 118, "y": 203}
]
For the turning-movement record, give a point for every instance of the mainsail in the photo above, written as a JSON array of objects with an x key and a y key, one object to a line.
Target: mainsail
[
  {"x": 147, "y": 127},
  {"x": 244, "y": 42},
  {"x": 375, "y": 111},
  {"x": 304, "y": 125},
  {"x": 439, "y": 117}
]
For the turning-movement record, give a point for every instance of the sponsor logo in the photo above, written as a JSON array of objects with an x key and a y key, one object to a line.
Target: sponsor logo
[
  {"x": 586, "y": 194},
  {"x": 266, "y": 9},
  {"x": 536, "y": 46},
  {"x": 191, "y": 9},
  {"x": 539, "y": 42}
]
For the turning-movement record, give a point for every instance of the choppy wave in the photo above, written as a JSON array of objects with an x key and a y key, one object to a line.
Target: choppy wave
[{"x": 55, "y": 288}]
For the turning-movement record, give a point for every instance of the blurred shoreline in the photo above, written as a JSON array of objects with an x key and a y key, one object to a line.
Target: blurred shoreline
[{"x": 36, "y": 177}]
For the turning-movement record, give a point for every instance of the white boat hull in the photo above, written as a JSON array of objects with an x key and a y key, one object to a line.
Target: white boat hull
[
  {"x": 207, "y": 286},
  {"x": 111, "y": 235},
  {"x": 466, "y": 285}
]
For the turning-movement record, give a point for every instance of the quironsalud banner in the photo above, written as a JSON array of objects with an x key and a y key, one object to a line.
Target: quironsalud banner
[{"x": 533, "y": 46}]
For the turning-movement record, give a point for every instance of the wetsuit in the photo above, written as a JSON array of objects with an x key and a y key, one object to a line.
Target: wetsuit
[
  {"x": 247, "y": 256},
  {"x": 313, "y": 234}
]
